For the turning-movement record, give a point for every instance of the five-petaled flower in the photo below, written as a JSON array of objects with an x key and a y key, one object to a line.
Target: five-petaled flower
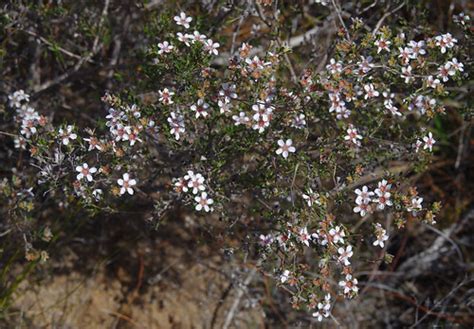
[
  {"x": 285, "y": 148},
  {"x": 183, "y": 20},
  {"x": 126, "y": 184},
  {"x": 85, "y": 172},
  {"x": 203, "y": 202}
]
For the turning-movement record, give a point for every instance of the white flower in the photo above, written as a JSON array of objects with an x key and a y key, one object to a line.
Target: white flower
[
  {"x": 311, "y": 197},
  {"x": 241, "y": 119},
  {"x": 344, "y": 255},
  {"x": 337, "y": 234},
  {"x": 203, "y": 202},
  {"x": 197, "y": 37},
  {"x": 184, "y": 38},
  {"x": 432, "y": 82},
  {"x": 446, "y": 70},
  {"x": 228, "y": 91},
  {"x": 195, "y": 181},
  {"x": 266, "y": 240},
  {"x": 370, "y": 91},
  {"x": 458, "y": 66},
  {"x": 382, "y": 44},
  {"x": 407, "y": 74},
  {"x": 353, "y": 136},
  {"x": 405, "y": 54},
  {"x": 334, "y": 67},
  {"x": 66, "y": 135},
  {"x": 165, "y": 47},
  {"x": 299, "y": 121},
  {"x": 18, "y": 98},
  {"x": 180, "y": 185},
  {"x": 176, "y": 121},
  {"x": 85, "y": 171},
  {"x": 165, "y": 96},
  {"x": 323, "y": 308},
  {"x": 364, "y": 194},
  {"x": 284, "y": 276},
  {"x": 429, "y": 141},
  {"x": 285, "y": 147},
  {"x": 304, "y": 236},
  {"x": 20, "y": 143},
  {"x": 97, "y": 194},
  {"x": 416, "y": 48},
  {"x": 349, "y": 284},
  {"x": 380, "y": 235},
  {"x": 200, "y": 108},
  {"x": 183, "y": 20},
  {"x": 445, "y": 41},
  {"x": 415, "y": 205},
  {"x": 94, "y": 143},
  {"x": 362, "y": 207},
  {"x": 126, "y": 184},
  {"x": 211, "y": 47}
]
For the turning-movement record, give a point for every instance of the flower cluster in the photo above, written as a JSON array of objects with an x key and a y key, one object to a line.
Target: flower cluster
[{"x": 195, "y": 184}]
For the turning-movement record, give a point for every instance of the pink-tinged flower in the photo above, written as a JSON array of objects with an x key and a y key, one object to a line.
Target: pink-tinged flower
[
  {"x": 197, "y": 37},
  {"x": 195, "y": 182},
  {"x": 362, "y": 207},
  {"x": 324, "y": 308},
  {"x": 184, "y": 38},
  {"x": 165, "y": 47},
  {"x": 382, "y": 200},
  {"x": 457, "y": 66},
  {"x": 415, "y": 205},
  {"x": 407, "y": 74},
  {"x": 445, "y": 41},
  {"x": 66, "y": 135},
  {"x": 94, "y": 143},
  {"x": 180, "y": 185},
  {"x": 18, "y": 99},
  {"x": 349, "y": 284},
  {"x": 203, "y": 202},
  {"x": 126, "y": 184},
  {"x": 85, "y": 172},
  {"x": 370, "y": 91},
  {"x": 241, "y": 119},
  {"x": 299, "y": 121},
  {"x": 445, "y": 71},
  {"x": 176, "y": 122},
  {"x": 228, "y": 91},
  {"x": 382, "y": 44},
  {"x": 416, "y": 48},
  {"x": 353, "y": 136},
  {"x": 344, "y": 255},
  {"x": 364, "y": 195},
  {"x": 432, "y": 82},
  {"x": 381, "y": 236},
  {"x": 304, "y": 237},
  {"x": 285, "y": 148},
  {"x": 383, "y": 187},
  {"x": 405, "y": 55},
  {"x": 165, "y": 96},
  {"x": 200, "y": 108},
  {"x": 337, "y": 234},
  {"x": 266, "y": 240},
  {"x": 334, "y": 67},
  {"x": 211, "y": 47},
  {"x": 20, "y": 143},
  {"x": 183, "y": 20},
  {"x": 429, "y": 142}
]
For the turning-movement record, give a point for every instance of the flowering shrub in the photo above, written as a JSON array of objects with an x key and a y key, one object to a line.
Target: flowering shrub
[{"x": 309, "y": 165}]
